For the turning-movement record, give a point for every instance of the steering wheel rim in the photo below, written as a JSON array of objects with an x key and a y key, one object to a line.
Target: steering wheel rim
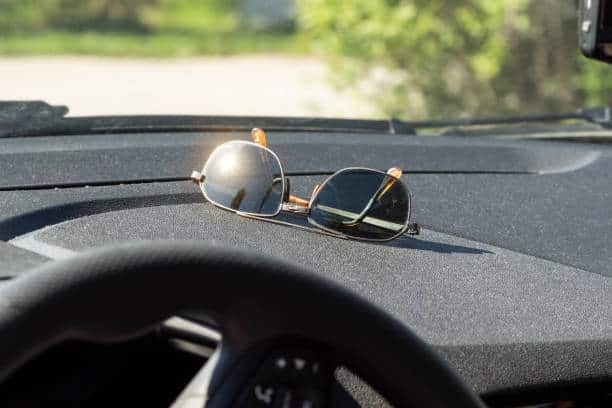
[{"x": 122, "y": 291}]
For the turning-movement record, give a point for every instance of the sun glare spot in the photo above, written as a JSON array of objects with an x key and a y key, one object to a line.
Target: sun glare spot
[{"x": 228, "y": 163}]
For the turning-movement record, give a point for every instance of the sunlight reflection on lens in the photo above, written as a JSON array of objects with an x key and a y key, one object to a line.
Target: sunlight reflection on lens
[{"x": 228, "y": 163}]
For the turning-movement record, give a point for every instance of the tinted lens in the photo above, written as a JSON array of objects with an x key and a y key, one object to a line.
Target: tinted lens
[
  {"x": 244, "y": 177},
  {"x": 362, "y": 204}
]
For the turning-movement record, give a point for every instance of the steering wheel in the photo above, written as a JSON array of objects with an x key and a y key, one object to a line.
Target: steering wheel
[{"x": 284, "y": 330}]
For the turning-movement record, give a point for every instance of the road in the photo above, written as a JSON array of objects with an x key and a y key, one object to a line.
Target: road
[{"x": 240, "y": 85}]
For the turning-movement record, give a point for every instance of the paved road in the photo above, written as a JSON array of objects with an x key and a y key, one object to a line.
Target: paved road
[{"x": 243, "y": 85}]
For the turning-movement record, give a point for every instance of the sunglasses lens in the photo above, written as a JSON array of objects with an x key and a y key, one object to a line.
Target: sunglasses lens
[
  {"x": 244, "y": 177},
  {"x": 363, "y": 204}
]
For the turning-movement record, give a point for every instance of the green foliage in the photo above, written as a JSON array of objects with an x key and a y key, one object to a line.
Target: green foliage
[
  {"x": 158, "y": 45},
  {"x": 99, "y": 14},
  {"x": 18, "y": 15},
  {"x": 157, "y": 28},
  {"x": 193, "y": 16},
  {"x": 444, "y": 57},
  {"x": 32, "y": 15},
  {"x": 23, "y": 16}
]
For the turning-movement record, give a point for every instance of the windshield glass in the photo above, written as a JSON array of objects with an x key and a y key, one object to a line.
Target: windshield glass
[{"x": 410, "y": 59}]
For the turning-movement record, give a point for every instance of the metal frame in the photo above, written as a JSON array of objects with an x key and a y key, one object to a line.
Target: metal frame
[
  {"x": 200, "y": 178},
  {"x": 401, "y": 232}
]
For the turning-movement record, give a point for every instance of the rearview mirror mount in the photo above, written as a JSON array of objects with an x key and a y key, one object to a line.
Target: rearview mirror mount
[{"x": 595, "y": 29}]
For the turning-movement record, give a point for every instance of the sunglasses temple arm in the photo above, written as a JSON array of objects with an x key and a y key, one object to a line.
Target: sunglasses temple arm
[
  {"x": 298, "y": 201},
  {"x": 361, "y": 216},
  {"x": 301, "y": 201},
  {"x": 395, "y": 173},
  {"x": 295, "y": 208},
  {"x": 259, "y": 136}
]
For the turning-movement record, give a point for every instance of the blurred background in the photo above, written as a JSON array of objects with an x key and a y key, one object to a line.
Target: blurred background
[{"x": 410, "y": 59}]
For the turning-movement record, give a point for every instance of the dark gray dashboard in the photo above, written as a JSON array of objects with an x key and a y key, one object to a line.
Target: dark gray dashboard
[{"x": 510, "y": 279}]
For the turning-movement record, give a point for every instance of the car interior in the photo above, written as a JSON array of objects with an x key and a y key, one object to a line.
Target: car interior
[{"x": 122, "y": 282}]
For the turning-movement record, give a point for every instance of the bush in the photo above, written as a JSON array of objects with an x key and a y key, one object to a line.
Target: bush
[
  {"x": 441, "y": 57},
  {"x": 100, "y": 14},
  {"x": 37, "y": 15}
]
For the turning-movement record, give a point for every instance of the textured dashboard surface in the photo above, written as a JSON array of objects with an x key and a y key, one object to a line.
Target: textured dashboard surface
[
  {"x": 510, "y": 279},
  {"x": 565, "y": 217},
  {"x": 436, "y": 283},
  {"x": 439, "y": 283},
  {"x": 98, "y": 159}
]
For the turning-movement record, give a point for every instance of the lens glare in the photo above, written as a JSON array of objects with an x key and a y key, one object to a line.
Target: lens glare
[
  {"x": 361, "y": 203},
  {"x": 244, "y": 177}
]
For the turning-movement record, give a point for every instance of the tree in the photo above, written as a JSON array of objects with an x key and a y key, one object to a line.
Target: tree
[
  {"x": 32, "y": 15},
  {"x": 442, "y": 57}
]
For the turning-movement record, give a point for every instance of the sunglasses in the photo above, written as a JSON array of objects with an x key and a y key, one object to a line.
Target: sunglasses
[{"x": 357, "y": 203}]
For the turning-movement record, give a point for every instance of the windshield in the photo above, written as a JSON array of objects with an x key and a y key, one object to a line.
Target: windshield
[{"x": 409, "y": 59}]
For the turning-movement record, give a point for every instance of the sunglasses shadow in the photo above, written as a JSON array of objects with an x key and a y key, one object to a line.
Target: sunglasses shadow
[
  {"x": 404, "y": 241},
  {"x": 412, "y": 242}
]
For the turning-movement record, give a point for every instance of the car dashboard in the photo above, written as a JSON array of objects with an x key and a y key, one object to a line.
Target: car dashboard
[{"x": 509, "y": 279}]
